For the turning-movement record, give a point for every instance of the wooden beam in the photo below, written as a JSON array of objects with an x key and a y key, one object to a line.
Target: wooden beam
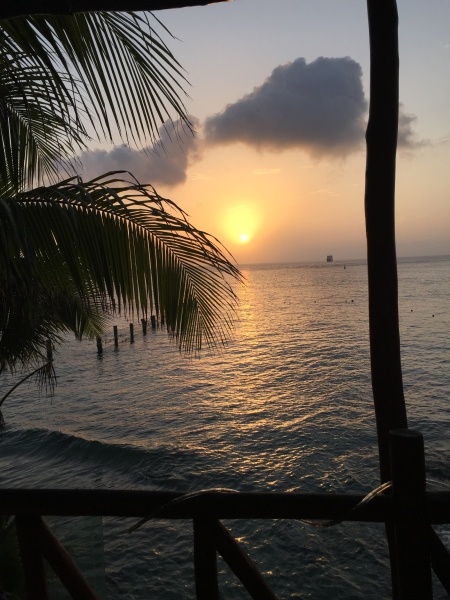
[
  {"x": 64, "y": 566},
  {"x": 205, "y": 559},
  {"x": 20, "y": 8},
  {"x": 411, "y": 529},
  {"x": 220, "y": 505},
  {"x": 381, "y": 138},
  {"x": 29, "y": 536},
  {"x": 440, "y": 560},
  {"x": 241, "y": 565}
]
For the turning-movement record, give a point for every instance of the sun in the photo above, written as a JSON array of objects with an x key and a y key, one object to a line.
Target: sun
[{"x": 240, "y": 223}]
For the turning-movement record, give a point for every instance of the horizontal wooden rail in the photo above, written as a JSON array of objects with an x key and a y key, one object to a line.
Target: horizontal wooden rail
[
  {"x": 214, "y": 504},
  {"x": 406, "y": 505}
]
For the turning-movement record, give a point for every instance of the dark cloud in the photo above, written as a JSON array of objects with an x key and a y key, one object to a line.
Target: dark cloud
[
  {"x": 163, "y": 164},
  {"x": 318, "y": 106}
]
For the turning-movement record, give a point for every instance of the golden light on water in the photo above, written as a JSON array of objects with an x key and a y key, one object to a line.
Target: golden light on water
[{"x": 241, "y": 223}]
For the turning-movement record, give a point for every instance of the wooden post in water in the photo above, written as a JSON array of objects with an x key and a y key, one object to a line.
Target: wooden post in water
[
  {"x": 153, "y": 320},
  {"x": 411, "y": 528},
  {"x": 99, "y": 346},
  {"x": 131, "y": 333},
  {"x": 116, "y": 337},
  {"x": 144, "y": 326}
]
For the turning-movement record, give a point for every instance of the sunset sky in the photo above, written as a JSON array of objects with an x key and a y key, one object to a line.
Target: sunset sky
[{"x": 279, "y": 98}]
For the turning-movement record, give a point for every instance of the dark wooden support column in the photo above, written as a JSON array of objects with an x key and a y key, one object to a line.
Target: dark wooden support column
[
  {"x": 411, "y": 529},
  {"x": 381, "y": 140},
  {"x": 29, "y": 536},
  {"x": 205, "y": 559}
]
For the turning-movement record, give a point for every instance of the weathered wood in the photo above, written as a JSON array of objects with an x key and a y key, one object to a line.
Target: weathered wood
[
  {"x": 131, "y": 333},
  {"x": 29, "y": 536},
  {"x": 144, "y": 326},
  {"x": 412, "y": 531},
  {"x": 205, "y": 559},
  {"x": 28, "y": 504},
  {"x": 99, "y": 345},
  {"x": 64, "y": 566},
  {"x": 153, "y": 321},
  {"x": 116, "y": 336},
  {"x": 381, "y": 140},
  {"x": 220, "y": 505},
  {"x": 440, "y": 560},
  {"x": 242, "y": 566}
]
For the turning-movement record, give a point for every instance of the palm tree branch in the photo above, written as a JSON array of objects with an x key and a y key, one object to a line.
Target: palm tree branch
[
  {"x": 122, "y": 244},
  {"x": 92, "y": 47}
]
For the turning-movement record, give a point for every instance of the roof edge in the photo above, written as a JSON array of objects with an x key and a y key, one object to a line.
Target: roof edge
[{"x": 20, "y": 8}]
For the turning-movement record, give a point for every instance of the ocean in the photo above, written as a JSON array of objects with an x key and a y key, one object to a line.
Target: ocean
[{"x": 286, "y": 405}]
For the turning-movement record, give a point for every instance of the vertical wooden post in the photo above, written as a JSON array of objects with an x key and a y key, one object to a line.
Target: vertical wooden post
[
  {"x": 131, "y": 333},
  {"x": 411, "y": 529},
  {"x": 116, "y": 337},
  {"x": 99, "y": 346},
  {"x": 205, "y": 559},
  {"x": 144, "y": 326},
  {"x": 153, "y": 320},
  {"x": 29, "y": 536},
  {"x": 381, "y": 139}
]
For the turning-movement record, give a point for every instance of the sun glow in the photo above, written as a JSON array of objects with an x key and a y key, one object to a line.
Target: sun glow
[{"x": 241, "y": 222}]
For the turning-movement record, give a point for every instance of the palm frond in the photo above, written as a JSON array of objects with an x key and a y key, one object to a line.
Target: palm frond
[
  {"x": 40, "y": 132},
  {"x": 117, "y": 61},
  {"x": 110, "y": 244}
]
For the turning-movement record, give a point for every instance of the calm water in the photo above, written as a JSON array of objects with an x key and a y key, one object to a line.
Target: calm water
[{"x": 286, "y": 406}]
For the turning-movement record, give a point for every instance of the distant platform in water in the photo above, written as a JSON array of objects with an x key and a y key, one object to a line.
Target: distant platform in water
[{"x": 330, "y": 258}]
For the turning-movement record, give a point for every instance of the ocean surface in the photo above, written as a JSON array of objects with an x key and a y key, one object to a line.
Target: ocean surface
[{"x": 285, "y": 406}]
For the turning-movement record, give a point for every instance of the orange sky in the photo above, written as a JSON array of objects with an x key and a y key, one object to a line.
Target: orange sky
[{"x": 280, "y": 107}]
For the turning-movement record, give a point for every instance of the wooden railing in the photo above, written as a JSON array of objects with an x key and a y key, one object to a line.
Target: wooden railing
[{"x": 407, "y": 507}]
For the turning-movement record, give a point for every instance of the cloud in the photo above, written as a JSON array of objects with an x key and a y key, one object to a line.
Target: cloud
[
  {"x": 406, "y": 138},
  {"x": 319, "y": 107},
  {"x": 163, "y": 164},
  {"x": 405, "y": 132}
]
